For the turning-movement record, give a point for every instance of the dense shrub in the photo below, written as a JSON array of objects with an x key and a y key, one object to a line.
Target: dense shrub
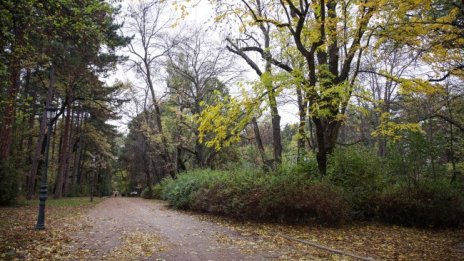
[
  {"x": 178, "y": 192},
  {"x": 147, "y": 193},
  {"x": 156, "y": 191},
  {"x": 362, "y": 175},
  {"x": 8, "y": 184},
  {"x": 436, "y": 204},
  {"x": 359, "y": 186},
  {"x": 246, "y": 194}
]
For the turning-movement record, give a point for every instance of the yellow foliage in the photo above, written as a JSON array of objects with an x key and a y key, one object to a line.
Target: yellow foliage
[
  {"x": 394, "y": 130},
  {"x": 221, "y": 125}
]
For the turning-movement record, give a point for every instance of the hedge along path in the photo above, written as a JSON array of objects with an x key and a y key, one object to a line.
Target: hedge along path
[{"x": 336, "y": 251}]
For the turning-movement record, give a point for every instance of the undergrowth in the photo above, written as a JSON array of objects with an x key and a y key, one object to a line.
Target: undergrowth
[{"x": 359, "y": 186}]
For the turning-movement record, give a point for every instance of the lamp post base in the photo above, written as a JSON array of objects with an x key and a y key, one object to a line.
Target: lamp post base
[
  {"x": 41, "y": 217},
  {"x": 39, "y": 227}
]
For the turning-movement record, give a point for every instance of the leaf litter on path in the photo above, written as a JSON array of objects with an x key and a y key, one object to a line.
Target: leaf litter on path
[{"x": 19, "y": 239}]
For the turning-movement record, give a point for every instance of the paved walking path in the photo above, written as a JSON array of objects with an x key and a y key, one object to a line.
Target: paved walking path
[{"x": 137, "y": 229}]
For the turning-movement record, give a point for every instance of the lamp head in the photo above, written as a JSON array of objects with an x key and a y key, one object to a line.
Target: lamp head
[{"x": 51, "y": 112}]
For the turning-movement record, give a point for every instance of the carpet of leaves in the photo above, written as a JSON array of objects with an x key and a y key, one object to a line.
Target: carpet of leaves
[
  {"x": 137, "y": 245},
  {"x": 20, "y": 240},
  {"x": 377, "y": 241}
]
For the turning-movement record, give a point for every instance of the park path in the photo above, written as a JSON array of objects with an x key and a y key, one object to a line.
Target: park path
[{"x": 138, "y": 229}]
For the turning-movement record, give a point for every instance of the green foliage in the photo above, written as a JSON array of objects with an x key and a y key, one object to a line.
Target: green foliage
[
  {"x": 361, "y": 175},
  {"x": 430, "y": 204},
  {"x": 179, "y": 192},
  {"x": 157, "y": 191},
  {"x": 8, "y": 183},
  {"x": 415, "y": 158},
  {"x": 120, "y": 182},
  {"x": 245, "y": 194},
  {"x": 147, "y": 193},
  {"x": 359, "y": 186}
]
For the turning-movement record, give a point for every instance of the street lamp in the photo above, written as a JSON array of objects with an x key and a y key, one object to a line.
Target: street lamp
[{"x": 50, "y": 114}]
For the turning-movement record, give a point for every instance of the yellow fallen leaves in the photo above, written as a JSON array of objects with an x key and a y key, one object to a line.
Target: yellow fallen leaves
[
  {"x": 382, "y": 242},
  {"x": 19, "y": 239},
  {"x": 137, "y": 245}
]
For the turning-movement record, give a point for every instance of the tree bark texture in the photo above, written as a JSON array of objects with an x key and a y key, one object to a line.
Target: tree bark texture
[{"x": 64, "y": 151}]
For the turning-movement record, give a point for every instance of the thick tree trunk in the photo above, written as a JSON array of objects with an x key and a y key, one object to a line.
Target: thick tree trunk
[
  {"x": 9, "y": 112},
  {"x": 24, "y": 132},
  {"x": 77, "y": 147},
  {"x": 64, "y": 151},
  {"x": 311, "y": 139},
  {"x": 326, "y": 134},
  {"x": 31, "y": 121},
  {"x": 276, "y": 133},
  {"x": 69, "y": 156}
]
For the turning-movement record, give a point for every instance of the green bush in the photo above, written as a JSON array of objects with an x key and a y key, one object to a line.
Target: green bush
[
  {"x": 430, "y": 204},
  {"x": 359, "y": 186},
  {"x": 362, "y": 175},
  {"x": 244, "y": 194},
  {"x": 147, "y": 193},
  {"x": 178, "y": 192},
  {"x": 157, "y": 190}
]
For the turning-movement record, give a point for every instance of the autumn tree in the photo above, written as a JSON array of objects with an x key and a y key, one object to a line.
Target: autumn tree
[
  {"x": 148, "y": 26},
  {"x": 198, "y": 75}
]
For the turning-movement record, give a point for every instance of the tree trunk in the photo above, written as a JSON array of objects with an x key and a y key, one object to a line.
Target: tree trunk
[
  {"x": 41, "y": 137},
  {"x": 81, "y": 166},
  {"x": 326, "y": 134},
  {"x": 302, "y": 106},
  {"x": 267, "y": 164},
  {"x": 64, "y": 151},
  {"x": 24, "y": 132},
  {"x": 77, "y": 147},
  {"x": 165, "y": 155},
  {"x": 9, "y": 112},
  {"x": 200, "y": 156},
  {"x": 451, "y": 140},
  {"x": 69, "y": 155},
  {"x": 276, "y": 134},
  {"x": 31, "y": 121},
  {"x": 275, "y": 117}
]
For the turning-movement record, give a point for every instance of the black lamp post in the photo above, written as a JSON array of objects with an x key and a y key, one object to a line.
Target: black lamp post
[{"x": 50, "y": 113}]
